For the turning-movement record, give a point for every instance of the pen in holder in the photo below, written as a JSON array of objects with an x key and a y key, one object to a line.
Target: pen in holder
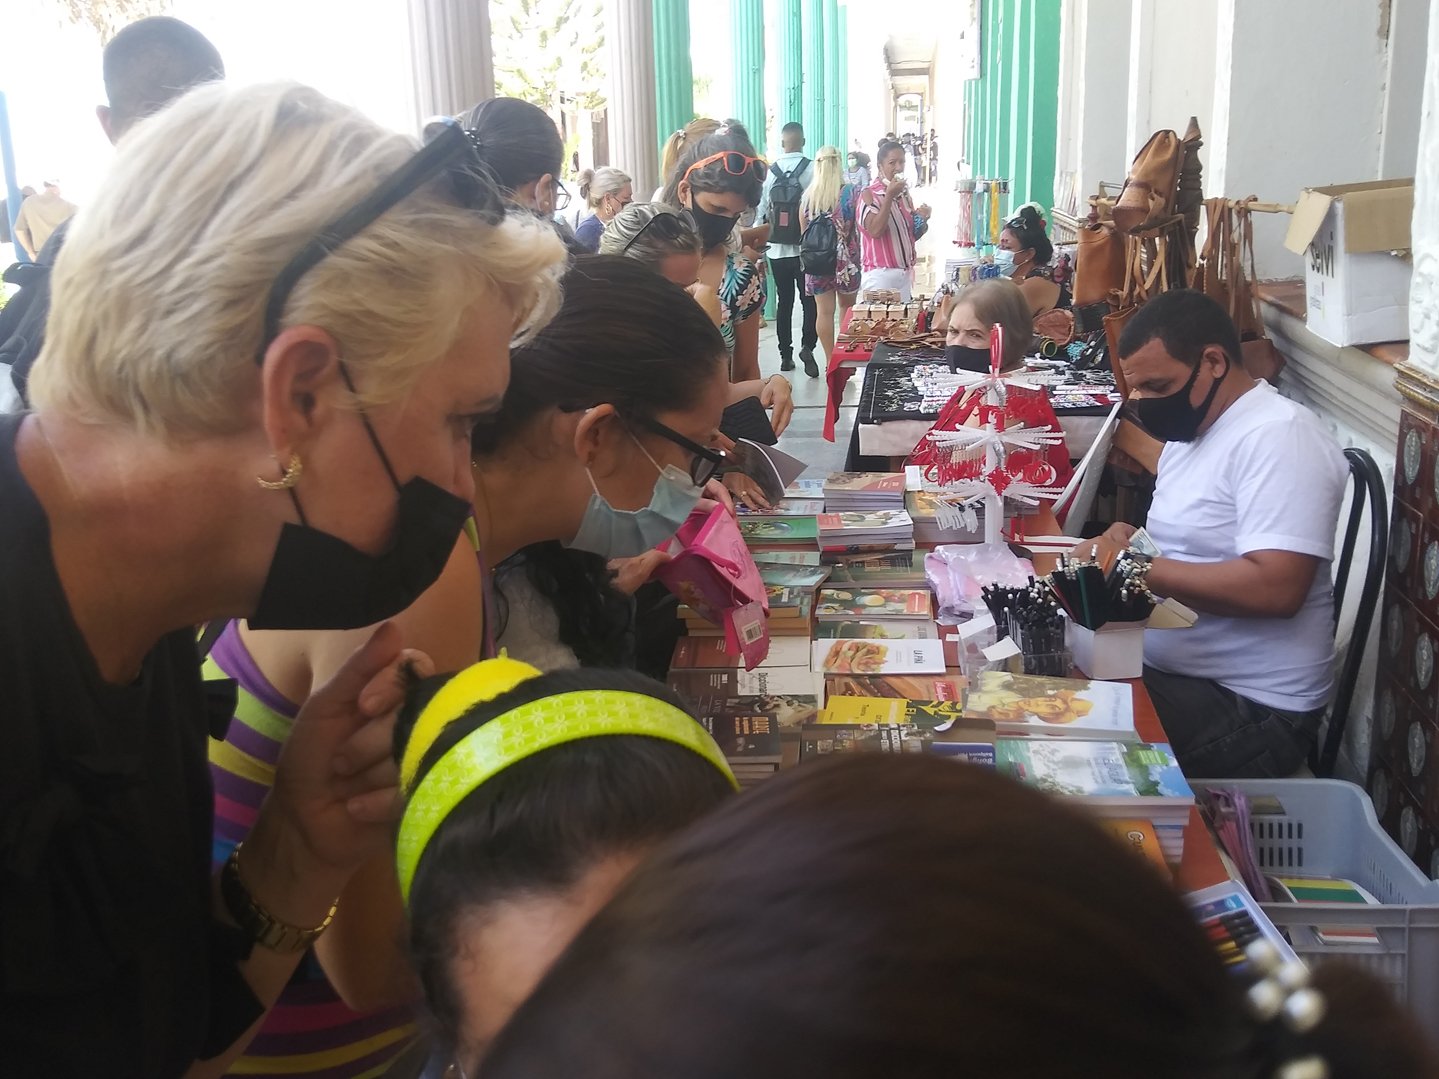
[{"x": 1107, "y": 613}]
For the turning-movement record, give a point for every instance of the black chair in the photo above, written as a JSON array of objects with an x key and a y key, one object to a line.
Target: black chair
[{"x": 1368, "y": 489}]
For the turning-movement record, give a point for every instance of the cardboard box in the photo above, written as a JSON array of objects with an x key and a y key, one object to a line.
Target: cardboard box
[
  {"x": 1357, "y": 291},
  {"x": 1113, "y": 651}
]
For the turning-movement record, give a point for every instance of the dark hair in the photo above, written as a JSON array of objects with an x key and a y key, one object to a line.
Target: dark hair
[
  {"x": 861, "y": 157},
  {"x": 898, "y": 916},
  {"x": 539, "y": 824},
  {"x": 1186, "y": 322},
  {"x": 519, "y": 142},
  {"x": 887, "y": 146},
  {"x": 1028, "y": 228},
  {"x": 730, "y": 137},
  {"x": 153, "y": 61},
  {"x": 624, "y": 336},
  {"x": 791, "y": 128}
]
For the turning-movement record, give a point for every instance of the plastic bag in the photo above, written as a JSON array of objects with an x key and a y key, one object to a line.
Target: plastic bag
[{"x": 957, "y": 572}]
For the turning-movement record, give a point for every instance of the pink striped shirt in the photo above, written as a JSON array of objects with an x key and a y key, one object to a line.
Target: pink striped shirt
[{"x": 892, "y": 249}]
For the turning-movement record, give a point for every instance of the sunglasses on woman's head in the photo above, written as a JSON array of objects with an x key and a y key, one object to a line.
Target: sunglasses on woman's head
[
  {"x": 450, "y": 151},
  {"x": 707, "y": 461},
  {"x": 675, "y": 227},
  {"x": 735, "y": 163}
]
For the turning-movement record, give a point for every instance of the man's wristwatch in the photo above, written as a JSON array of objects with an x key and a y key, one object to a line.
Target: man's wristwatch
[{"x": 258, "y": 923}]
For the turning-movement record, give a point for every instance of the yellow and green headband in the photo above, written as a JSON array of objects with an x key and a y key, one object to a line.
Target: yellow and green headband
[{"x": 519, "y": 733}]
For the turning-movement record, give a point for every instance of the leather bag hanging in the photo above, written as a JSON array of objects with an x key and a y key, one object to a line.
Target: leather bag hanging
[
  {"x": 1098, "y": 265},
  {"x": 1149, "y": 191}
]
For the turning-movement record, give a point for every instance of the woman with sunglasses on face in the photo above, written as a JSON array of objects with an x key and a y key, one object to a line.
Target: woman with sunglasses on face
[
  {"x": 610, "y": 192},
  {"x": 659, "y": 237},
  {"x": 716, "y": 181},
  {"x": 254, "y": 401},
  {"x": 598, "y": 453}
]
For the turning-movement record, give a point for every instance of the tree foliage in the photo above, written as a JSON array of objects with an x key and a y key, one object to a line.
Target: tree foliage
[
  {"x": 545, "y": 48},
  {"x": 107, "y": 17}
]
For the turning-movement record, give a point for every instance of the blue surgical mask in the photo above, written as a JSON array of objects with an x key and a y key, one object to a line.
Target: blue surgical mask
[
  {"x": 1004, "y": 259},
  {"x": 613, "y": 533}
]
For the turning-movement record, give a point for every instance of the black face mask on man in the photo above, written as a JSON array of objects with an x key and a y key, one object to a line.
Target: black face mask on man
[
  {"x": 714, "y": 229},
  {"x": 1172, "y": 418},
  {"x": 318, "y": 581}
]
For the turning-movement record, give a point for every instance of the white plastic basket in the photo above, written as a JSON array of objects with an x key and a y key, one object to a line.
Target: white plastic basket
[{"x": 1327, "y": 828}]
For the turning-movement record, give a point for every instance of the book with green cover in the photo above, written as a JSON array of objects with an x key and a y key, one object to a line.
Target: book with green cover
[
  {"x": 1142, "y": 779},
  {"x": 797, "y": 531},
  {"x": 793, "y": 576},
  {"x": 764, "y": 559}
]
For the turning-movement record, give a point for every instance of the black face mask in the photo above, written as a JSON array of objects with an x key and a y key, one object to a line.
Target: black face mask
[
  {"x": 1172, "y": 418},
  {"x": 318, "y": 581},
  {"x": 714, "y": 229},
  {"x": 966, "y": 358}
]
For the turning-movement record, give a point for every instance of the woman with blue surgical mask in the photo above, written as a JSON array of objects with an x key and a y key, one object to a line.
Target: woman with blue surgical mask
[{"x": 1024, "y": 255}]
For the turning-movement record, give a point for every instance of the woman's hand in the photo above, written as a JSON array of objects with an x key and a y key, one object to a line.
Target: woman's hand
[
  {"x": 633, "y": 573},
  {"x": 747, "y": 491},
  {"x": 716, "y": 491},
  {"x": 778, "y": 397}
]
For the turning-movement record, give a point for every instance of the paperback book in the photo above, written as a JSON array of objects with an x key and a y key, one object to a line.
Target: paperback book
[
  {"x": 787, "y": 531},
  {"x": 841, "y": 531},
  {"x": 809, "y": 577},
  {"x": 847, "y": 604},
  {"x": 824, "y": 741},
  {"x": 785, "y": 507},
  {"x": 878, "y": 657},
  {"x": 895, "y": 629},
  {"x": 700, "y": 653},
  {"x": 766, "y": 559},
  {"x": 864, "y": 491},
  {"x": 1073, "y": 708},
  {"x": 925, "y": 714},
  {"x": 703, "y": 687},
  {"x": 811, "y": 487},
  {"x": 1136, "y": 778},
  {"x": 947, "y": 687}
]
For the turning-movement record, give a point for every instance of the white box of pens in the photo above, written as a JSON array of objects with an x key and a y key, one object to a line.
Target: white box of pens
[{"x": 1113, "y": 651}]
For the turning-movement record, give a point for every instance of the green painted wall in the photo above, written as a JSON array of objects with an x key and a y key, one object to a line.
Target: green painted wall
[
  {"x": 1012, "y": 109},
  {"x": 674, "y": 75}
]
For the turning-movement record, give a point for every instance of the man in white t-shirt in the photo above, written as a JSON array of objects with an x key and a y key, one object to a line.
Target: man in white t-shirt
[{"x": 1245, "y": 509}]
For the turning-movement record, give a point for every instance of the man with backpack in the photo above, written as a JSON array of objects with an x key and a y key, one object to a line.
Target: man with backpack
[{"x": 789, "y": 175}]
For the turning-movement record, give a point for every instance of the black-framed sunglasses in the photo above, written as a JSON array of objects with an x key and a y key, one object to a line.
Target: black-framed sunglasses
[
  {"x": 707, "y": 461},
  {"x": 677, "y": 228},
  {"x": 450, "y": 150},
  {"x": 562, "y": 196}
]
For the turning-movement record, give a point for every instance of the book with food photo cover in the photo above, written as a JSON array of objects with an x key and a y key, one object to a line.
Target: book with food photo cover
[
  {"x": 842, "y": 656},
  {"x": 797, "y": 531},
  {"x": 785, "y": 507},
  {"x": 1022, "y": 704},
  {"x": 947, "y": 687},
  {"x": 847, "y": 604},
  {"x": 896, "y": 629},
  {"x": 704, "y": 653}
]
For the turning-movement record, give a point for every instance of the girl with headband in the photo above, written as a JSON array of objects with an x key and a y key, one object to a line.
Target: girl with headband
[
  {"x": 529, "y": 799},
  {"x": 910, "y": 917},
  {"x": 598, "y": 452}
]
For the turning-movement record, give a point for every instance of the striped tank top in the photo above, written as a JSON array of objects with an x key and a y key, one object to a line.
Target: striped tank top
[{"x": 310, "y": 1031}]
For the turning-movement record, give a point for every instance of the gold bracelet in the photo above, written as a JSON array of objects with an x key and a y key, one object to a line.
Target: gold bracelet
[{"x": 258, "y": 923}]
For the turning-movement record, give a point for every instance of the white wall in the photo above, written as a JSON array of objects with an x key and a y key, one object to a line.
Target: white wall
[
  {"x": 1424, "y": 291},
  {"x": 1409, "y": 25},
  {"x": 1177, "y": 81}
]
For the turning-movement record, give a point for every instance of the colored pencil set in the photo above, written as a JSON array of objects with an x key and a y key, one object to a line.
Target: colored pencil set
[{"x": 1093, "y": 598}]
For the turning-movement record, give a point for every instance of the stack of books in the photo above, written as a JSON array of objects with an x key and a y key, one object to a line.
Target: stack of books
[
  {"x": 849, "y": 604},
  {"x": 824, "y": 740},
  {"x": 846, "y": 492},
  {"x": 750, "y": 742},
  {"x": 1115, "y": 780},
  {"x": 866, "y": 531},
  {"x": 1024, "y": 705},
  {"x": 714, "y": 683},
  {"x": 934, "y": 525}
]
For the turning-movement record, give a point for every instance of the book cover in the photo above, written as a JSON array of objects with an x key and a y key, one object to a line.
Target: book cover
[
  {"x": 949, "y": 687},
  {"x": 809, "y": 577},
  {"x": 786, "y": 709},
  {"x": 898, "y": 629},
  {"x": 785, "y": 602},
  {"x": 1105, "y": 773},
  {"x": 844, "y": 604},
  {"x": 980, "y": 753},
  {"x": 785, "y": 507},
  {"x": 698, "y": 653},
  {"x": 745, "y": 738},
  {"x": 1138, "y": 836},
  {"x": 878, "y": 522},
  {"x": 925, "y": 714},
  {"x": 765, "y": 559},
  {"x": 768, "y": 466},
  {"x": 788, "y": 530},
  {"x": 704, "y": 686},
  {"x": 825, "y": 741},
  {"x": 865, "y": 483},
  {"x": 809, "y": 487},
  {"x": 878, "y": 657},
  {"x": 1031, "y": 704}
]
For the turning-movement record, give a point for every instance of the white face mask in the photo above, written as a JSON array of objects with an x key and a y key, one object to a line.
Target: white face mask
[{"x": 1004, "y": 259}]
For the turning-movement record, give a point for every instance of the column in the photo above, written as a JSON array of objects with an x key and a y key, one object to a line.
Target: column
[
  {"x": 834, "y": 73},
  {"x": 453, "y": 62},
  {"x": 814, "y": 65},
  {"x": 791, "y": 63},
  {"x": 747, "y": 51},
  {"x": 634, "y": 129},
  {"x": 1018, "y": 86},
  {"x": 842, "y": 136},
  {"x": 1044, "y": 103},
  {"x": 1424, "y": 286},
  {"x": 674, "y": 77}
]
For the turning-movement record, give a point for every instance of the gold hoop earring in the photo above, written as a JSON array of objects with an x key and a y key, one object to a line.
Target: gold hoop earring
[{"x": 288, "y": 480}]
